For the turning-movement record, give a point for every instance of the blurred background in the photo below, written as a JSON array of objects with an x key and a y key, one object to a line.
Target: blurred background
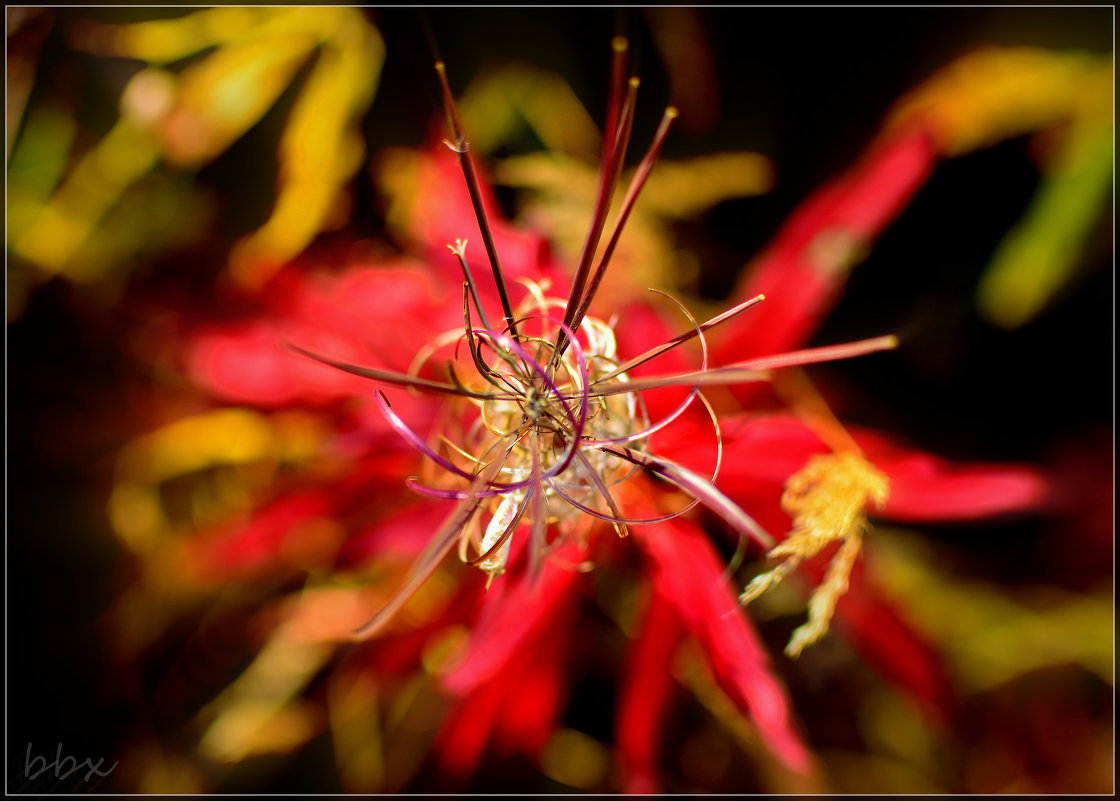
[{"x": 161, "y": 175}]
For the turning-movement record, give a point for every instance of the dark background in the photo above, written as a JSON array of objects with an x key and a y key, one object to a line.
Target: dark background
[{"x": 806, "y": 86}]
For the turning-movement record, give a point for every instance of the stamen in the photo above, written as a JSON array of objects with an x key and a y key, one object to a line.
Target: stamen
[
  {"x": 440, "y": 545},
  {"x": 645, "y": 167},
  {"x": 496, "y": 540},
  {"x": 619, "y": 47},
  {"x": 720, "y": 376},
  {"x": 412, "y": 438},
  {"x": 698, "y": 488},
  {"x": 617, "y": 158},
  {"x": 616, "y": 134},
  {"x": 610, "y": 173},
  {"x": 616, "y": 518},
  {"x": 645, "y": 433},
  {"x": 823, "y": 602},
  {"x": 537, "y": 544},
  {"x": 682, "y": 338},
  {"x": 468, "y": 456},
  {"x": 829, "y": 353},
  {"x": 472, "y": 344},
  {"x": 460, "y": 251},
  {"x": 604, "y": 493},
  {"x": 389, "y": 376},
  {"x": 462, "y": 148}
]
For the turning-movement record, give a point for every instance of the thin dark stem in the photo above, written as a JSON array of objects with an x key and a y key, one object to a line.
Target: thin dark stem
[
  {"x": 472, "y": 344},
  {"x": 462, "y": 147},
  {"x": 460, "y": 251},
  {"x": 680, "y": 338},
  {"x": 616, "y": 111},
  {"x": 622, "y": 137},
  {"x": 619, "y": 47},
  {"x": 388, "y": 376},
  {"x": 632, "y": 192}
]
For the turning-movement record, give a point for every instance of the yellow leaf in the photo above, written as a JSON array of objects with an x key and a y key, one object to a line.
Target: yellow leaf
[
  {"x": 164, "y": 41},
  {"x": 223, "y": 95},
  {"x": 1037, "y": 257},
  {"x": 320, "y": 150},
  {"x": 493, "y": 104},
  {"x": 991, "y": 634},
  {"x": 997, "y": 93}
]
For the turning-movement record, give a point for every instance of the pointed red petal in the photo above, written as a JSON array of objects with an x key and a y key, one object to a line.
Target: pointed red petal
[
  {"x": 514, "y": 711},
  {"x": 647, "y": 694},
  {"x": 802, "y": 271},
  {"x": 234, "y": 552},
  {"x": 511, "y": 681},
  {"x": 762, "y": 451},
  {"x": 356, "y": 315},
  {"x": 513, "y": 610},
  {"x": 689, "y": 573},
  {"x": 468, "y": 728},
  {"x": 248, "y": 364},
  {"x": 926, "y": 488},
  {"x": 536, "y": 684}
]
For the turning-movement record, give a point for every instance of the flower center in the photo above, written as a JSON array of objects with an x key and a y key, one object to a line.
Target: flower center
[{"x": 532, "y": 411}]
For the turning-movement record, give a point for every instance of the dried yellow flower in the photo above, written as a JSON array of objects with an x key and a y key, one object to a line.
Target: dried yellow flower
[{"x": 827, "y": 500}]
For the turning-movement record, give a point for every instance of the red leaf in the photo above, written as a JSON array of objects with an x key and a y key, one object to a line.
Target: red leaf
[
  {"x": 646, "y": 695},
  {"x": 689, "y": 573},
  {"x": 803, "y": 269}
]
